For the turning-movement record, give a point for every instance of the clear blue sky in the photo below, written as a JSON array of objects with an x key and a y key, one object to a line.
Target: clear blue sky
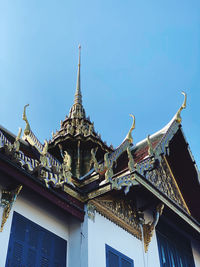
[{"x": 137, "y": 56}]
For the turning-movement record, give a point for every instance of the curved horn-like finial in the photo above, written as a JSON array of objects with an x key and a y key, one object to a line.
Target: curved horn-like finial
[
  {"x": 150, "y": 149},
  {"x": 129, "y": 135},
  {"x": 178, "y": 114},
  {"x": 45, "y": 148},
  {"x": 27, "y": 128},
  {"x": 19, "y": 134}
]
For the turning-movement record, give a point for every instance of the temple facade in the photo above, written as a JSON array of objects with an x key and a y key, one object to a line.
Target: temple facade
[{"x": 74, "y": 201}]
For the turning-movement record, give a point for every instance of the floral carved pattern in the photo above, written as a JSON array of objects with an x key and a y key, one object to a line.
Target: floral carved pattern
[
  {"x": 162, "y": 178},
  {"x": 121, "y": 212}
]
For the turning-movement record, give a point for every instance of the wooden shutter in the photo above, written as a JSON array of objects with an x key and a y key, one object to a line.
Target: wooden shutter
[
  {"x": 126, "y": 263},
  {"x": 116, "y": 259},
  {"x": 31, "y": 245},
  {"x": 60, "y": 252},
  {"x": 112, "y": 259},
  {"x": 174, "y": 251},
  {"x": 16, "y": 243},
  {"x": 33, "y": 233}
]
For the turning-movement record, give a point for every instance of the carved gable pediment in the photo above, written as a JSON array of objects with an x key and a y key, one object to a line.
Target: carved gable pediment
[
  {"x": 120, "y": 211},
  {"x": 163, "y": 179}
]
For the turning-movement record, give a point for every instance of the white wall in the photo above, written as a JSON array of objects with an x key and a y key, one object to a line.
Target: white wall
[
  {"x": 78, "y": 240},
  {"x": 102, "y": 231},
  {"x": 38, "y": 210}
]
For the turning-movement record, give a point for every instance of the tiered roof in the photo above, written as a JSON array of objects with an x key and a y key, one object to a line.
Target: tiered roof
[{"x": 78, "y": 167}]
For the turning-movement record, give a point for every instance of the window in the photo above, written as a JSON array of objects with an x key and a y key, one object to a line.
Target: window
[
  {"x": 117, "y": 259},
  {"x": 174, "y": 249},
  {"x": 30, "y": 245}
]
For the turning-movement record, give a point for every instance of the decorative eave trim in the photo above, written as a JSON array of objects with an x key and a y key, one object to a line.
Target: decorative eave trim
[
  {"x": 85, "y": 182},
  {"x": 104, "y": 211},
  {"x": 163, "y": 144},
  {"x": 68, "y": 203},
  {"x": 100, "y": 191},
  {"x": 192, "y": 222},
  {"x": 61, "y": 138},
  {"x": 72, "y": 192},
  {"x": 138, "y": 178}
]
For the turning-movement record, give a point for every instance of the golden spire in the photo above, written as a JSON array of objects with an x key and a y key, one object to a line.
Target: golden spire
[
  {"x": 78, "y": 96},
  {"x": 77, "y": 110}
]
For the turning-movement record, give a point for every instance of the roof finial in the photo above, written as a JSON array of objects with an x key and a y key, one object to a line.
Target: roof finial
[
  {"x": 77, "y": 110},
  {"x": 178, "y": 114},
  {"x": 78, "y": 95},
  {"x": 129, "y": 135}
]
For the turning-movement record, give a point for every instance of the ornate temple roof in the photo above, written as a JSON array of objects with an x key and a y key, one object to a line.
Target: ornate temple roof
[
  {"x": 77, "y": 135},
  {"x": 77, "y": 166},
  {"x": 76, "y": 125}
]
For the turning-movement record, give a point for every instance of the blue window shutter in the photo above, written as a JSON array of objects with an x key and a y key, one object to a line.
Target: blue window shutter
[
  {"x": 31, "y": 245},
  {"x": 113, "y": 259},
  {"x": 31, "y": 258},
  {"x": 16, "y": 243},
  {"x": 46, "y": 247},
  {"x": 60, "y": 252},
  {"x": 33, "y": 236},
  {"x": 116, "y": 259},
  {"x": 174, "y": 250},
  {"x": 17, "y": 256},
  {"x": 125, "y": 263},
  {"x": 33, "y": 233}
]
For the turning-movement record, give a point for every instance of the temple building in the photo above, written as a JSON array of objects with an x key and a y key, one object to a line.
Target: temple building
[{"x": 74, "y": 201}]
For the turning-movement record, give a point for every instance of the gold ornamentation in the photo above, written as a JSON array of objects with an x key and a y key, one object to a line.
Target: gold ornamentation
[
  {"x": 70, "y": 129},
  {"x": 178, "y": 114},
  {"x": 120, "y": 212},
  {"x": 125, "y": 181},
  {"x": 105, "y": 167},
  {"x": 7, "y": 200},
  {"x": 129, "y": 135},
  {"x": 86, "y": 181},
  {"x": 32, "y": 140},
  {"x": 131, "y": 163},
  {"x": 150, "y": 149},
  {"x": 148, "y": 228},
  {"x": 108, "y": 167},
  {"x": 12, "y": 148},
  {"x": 163, "y": 179},
  {"x": 16, "y": 144},
  {"x": 91, "y": 211},
  {"x": 60, "y": 175},
  {"x": 66, "y": 169},
  {"x": 97, "y": 167},
  {"x": 109, "y": 159},
  {"x": 163, "y": 146},
  {"x": 99, "y": 192},
  {"x": 167, "y": 202},
  {"x": 91, "y": 129},
  {"x": 43, "y": 157},
  {"x": 72, "y": 192},
  {"x": 175, "y": 186},
  {"x": 27, "y": 128},
  {"x": 144, "y": 166}
]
